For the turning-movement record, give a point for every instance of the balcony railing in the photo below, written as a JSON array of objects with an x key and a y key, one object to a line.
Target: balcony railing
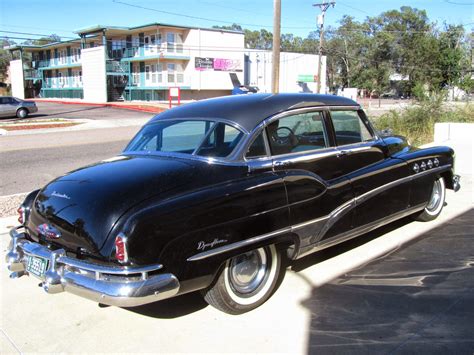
[
  {"x": 160, "y": 80},
  {"x": 32, "y": 74},
  {"x": 56, "y": 62},
  {"x": 67, "y": 82},
  {"x": 164, "y": 50}
]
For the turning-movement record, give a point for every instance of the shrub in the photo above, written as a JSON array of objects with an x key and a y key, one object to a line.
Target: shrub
[{"x": 417, "y": 122}]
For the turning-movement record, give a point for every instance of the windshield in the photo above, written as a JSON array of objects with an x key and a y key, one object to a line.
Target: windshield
[{"x": 203, "y": 138}]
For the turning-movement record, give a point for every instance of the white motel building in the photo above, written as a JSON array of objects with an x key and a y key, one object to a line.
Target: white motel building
[{"x": 144, "y": 62}]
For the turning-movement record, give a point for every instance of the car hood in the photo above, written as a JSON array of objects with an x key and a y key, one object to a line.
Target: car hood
[{"x": 84, "y": 204}]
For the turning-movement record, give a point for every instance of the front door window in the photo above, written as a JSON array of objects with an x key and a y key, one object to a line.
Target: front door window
[{"x": 297, "y": 133}]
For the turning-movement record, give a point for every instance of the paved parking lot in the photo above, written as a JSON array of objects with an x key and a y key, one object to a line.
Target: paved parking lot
[{"x": 407, "y": 288}]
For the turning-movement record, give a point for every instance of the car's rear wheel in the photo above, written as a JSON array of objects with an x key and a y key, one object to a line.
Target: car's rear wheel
[
  {"x": 435, "y": 203},
  {"x": 22, "y": 113},
  {"x": 246, "y": 281}
]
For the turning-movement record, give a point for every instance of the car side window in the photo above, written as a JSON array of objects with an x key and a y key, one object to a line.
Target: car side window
[
  {"x": 257, "y": 148},
  {"x": 349, "y": 128},
  {"x": 297, "y": 133}
]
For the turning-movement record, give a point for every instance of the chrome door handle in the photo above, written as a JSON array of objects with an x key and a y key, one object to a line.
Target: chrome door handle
[
  {"x": 342, "y": 153},
  {"x": 281, "y": 164}
]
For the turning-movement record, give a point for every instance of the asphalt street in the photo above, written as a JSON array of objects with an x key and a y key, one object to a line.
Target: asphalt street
[
  {"x": 29, "y": 169},
  {"x": 74, "y": 111},
  {"x": 28, "y": 161}
]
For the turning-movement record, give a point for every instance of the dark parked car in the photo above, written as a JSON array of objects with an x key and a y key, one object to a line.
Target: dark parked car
[
  {"x": 212, "y": 195},
  {"x": 12, "y": 106}
]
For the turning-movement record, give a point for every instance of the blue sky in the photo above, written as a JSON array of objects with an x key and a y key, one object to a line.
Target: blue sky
[{"x": 298, "y": 16}]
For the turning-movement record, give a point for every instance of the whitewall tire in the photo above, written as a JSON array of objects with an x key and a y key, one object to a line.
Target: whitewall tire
[{"x": 246, "y": 281}]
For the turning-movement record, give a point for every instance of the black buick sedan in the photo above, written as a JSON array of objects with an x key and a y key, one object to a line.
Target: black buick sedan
[{"x": 212, "y": 195}]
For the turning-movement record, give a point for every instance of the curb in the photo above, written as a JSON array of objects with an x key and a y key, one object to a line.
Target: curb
[{"x": 126, "y": 107}]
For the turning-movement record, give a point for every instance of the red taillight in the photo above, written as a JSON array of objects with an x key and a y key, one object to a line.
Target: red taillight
[
  {"x": 21, "y": 213},
  {"x": 121, "y": 248}
]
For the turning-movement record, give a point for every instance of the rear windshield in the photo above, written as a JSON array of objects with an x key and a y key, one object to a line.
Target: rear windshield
[{"x": 203, "y": 138}]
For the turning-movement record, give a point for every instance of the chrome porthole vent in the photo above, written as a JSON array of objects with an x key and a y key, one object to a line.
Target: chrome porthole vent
[
  {"x": 423, "y": 166},
  {"x": 430, "y": 164},
  {"x": 416, "y": 168},
  {"x": 436, "y": 162}
]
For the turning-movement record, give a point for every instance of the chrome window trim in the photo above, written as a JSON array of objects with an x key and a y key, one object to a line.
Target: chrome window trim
[
  {"x": 330, "y": 218},
  {"x": 209, "y": 160}
]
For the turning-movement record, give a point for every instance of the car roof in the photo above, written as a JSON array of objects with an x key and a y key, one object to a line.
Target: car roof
[{"x": 247, "y": 111}]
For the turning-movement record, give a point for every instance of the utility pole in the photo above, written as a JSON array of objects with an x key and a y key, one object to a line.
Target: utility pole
[
  {"x": 276, "y": 46},
  {"x": 323, "y": 7}
]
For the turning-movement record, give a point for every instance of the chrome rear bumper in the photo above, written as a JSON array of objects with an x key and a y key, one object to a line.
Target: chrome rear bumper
[{"x": 115, "y": 286}]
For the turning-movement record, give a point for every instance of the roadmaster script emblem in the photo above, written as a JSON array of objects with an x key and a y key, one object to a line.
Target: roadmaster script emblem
[{"x": 57, "y": 194}]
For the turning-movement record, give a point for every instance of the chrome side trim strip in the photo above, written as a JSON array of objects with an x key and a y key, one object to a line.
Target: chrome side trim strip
[
  {"x": 340, "y": 238},
  {"x": 364, "y": 197},
  {"x": 232, "y": 246},
  {"x": 330, "y": 219}
]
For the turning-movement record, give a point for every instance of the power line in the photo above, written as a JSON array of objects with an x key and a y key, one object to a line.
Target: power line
[
  {"x": 36, "y": 34},
  {"x": 36, "y": 28},
  {"x": 352, "y": 7},
  {"x": 459, "y": 3}
]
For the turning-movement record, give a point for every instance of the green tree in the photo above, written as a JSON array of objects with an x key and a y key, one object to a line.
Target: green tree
[{"x": 262, "y": 39}]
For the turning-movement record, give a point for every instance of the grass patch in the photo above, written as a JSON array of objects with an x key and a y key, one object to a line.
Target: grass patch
[{"x": 417, "y": 122}]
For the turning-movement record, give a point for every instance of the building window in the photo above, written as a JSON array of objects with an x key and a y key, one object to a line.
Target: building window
[
  {"x": 147, "y": 72},
  {"x": 153, "y": 73},
  {"x": 60, "y": 79},
  {"x": 179, "y": 43},
  {"x": 159, "y": 70},
  {"x": 171, "y": 72},
  {"x": 170, "y": 41},
  {"x": 118, "y": 46},
  {"x": 135, "y": 74}
]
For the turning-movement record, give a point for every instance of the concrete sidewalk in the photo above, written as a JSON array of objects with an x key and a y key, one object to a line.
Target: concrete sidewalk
[{"x": 32, "y": 321}]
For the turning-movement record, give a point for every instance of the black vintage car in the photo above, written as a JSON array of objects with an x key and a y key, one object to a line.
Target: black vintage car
[{"x": 211, "y": 196}]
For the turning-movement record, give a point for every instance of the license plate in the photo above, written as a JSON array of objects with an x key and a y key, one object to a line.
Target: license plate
[{"x": 36, "y": 265}]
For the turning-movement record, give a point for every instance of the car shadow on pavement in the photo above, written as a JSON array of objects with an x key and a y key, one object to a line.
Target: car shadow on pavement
[
  {"x": 172, "y": 308},
  {"x": 417, "y": 299}
]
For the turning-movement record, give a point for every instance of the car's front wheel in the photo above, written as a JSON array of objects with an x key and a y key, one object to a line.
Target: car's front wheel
[
  {"x": 246, "y": 281},
  {"x": 22, "y": 113},
  {"x": 435, "y": 203}
]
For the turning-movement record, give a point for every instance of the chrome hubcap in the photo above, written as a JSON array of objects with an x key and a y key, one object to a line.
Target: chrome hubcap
[
  {"x": 435, "y": 196},
  {"x": 247, "y": 271}
]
